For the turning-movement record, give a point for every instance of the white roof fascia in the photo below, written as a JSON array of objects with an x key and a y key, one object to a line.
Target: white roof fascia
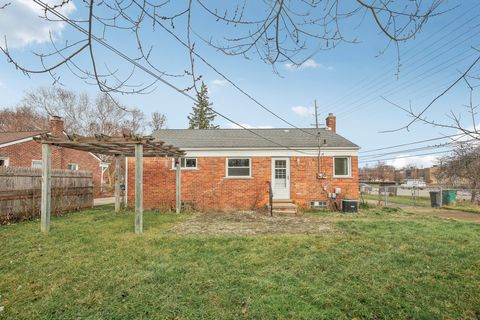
[{"x": 6, "y": 144}]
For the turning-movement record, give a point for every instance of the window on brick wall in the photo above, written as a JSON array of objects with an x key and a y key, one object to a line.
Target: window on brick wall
[
  {"x": 238, "y": 167},
  {"x": 4, "y": 161},
  {"x": 319, "y": 205},
  {"x": 72, "y": 166},
  {"x": 36, "y": 163},
  {"x": 342, "y": 167},
  {"x": 186, "y": 163}
]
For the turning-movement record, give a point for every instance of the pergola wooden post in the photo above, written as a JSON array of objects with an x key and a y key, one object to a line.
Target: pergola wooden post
[
  {"x": 139, "y": 188},
  {"x": 127, "y": 146},
  {"x": 178, "y": 185},
  {"x": 117, "y": 183},
  {"x": 46, "y": 200}
]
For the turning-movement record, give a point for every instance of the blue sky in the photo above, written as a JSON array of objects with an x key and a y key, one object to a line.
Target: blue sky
[{"x": 347, "y": 81}]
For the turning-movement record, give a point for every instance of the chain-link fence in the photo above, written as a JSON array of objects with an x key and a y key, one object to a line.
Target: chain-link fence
[{"x": 433, "y": 196}]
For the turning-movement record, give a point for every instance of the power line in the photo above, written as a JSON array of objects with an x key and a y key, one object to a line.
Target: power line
[
  {"x": 249, "y": 96},
  {"x": 418, "y": 93},
  {"x": 424, "y": 75},
  {"x": 403, "y": 157},
  {"x": 159, "y": 78},
  {"x": 412, "y": 143},
  {"x": 436, "y": 146},
  {"x": 373, "y": 88},
  {"x": 426, "y": 45},
  {"x": 381, "y": 80},
  {"x": 411, "y": 52},
  {"x": 370, "y": 103}
]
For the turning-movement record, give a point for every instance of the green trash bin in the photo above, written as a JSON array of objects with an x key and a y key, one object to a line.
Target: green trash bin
[{"x": 449, "y": 196}]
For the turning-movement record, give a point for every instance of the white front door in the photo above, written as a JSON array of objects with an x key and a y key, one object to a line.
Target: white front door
[{"x": 281, "y": 178}]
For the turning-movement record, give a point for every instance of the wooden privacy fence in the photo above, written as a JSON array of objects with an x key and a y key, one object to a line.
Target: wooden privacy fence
[{"x": 20, "y": 192}]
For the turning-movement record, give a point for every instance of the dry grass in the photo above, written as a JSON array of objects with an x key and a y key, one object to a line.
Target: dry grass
[{"x": 251, "y": 223}]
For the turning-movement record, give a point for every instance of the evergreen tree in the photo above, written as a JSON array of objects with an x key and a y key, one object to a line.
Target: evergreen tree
[{"x": 202, "y": 116}]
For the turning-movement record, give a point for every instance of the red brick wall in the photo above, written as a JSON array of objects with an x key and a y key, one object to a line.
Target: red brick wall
[
  {"x": 22, "y": 154},
  {"x": 207, "y": 188},
  {"x": 306, "y": 187}
]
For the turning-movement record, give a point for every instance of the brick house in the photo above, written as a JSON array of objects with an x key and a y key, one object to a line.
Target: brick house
[
  {"x": 18, "y": 149},
  {"x": 229, "y": 169}
]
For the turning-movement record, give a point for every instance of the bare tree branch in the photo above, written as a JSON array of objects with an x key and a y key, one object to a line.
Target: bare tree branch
[{"x": 275, "y": 31}]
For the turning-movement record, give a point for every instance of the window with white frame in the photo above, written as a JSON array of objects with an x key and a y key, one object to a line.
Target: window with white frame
[
  {"x": 318, "y": 205},
  {"x": 36, "y": 163},
  {"x": 238, "y": 167},
  {"x": 72, "y": 166},
  {"x": 103, "y": 167},
  {"x": 186, "y": 163},
  {"x": 342, "y": 167},
  {"x": 4, "y": 161}
]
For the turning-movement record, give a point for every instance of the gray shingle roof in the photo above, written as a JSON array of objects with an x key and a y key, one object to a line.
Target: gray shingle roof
[
  {"x": 237, "y": 138},
  {"x": 6, "y": 137}
]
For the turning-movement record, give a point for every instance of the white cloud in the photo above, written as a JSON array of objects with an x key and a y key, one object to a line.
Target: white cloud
[
  {"x": 21, "y": 24},
  {"x": 217, "y": 83},
  {"x": 307, "y": 64},
  {"x": 303, "y": 111},
  {"x": 466, "y": 137},
  {"x": 246, "y": 125},
  {"x": 421, "y": 161}
]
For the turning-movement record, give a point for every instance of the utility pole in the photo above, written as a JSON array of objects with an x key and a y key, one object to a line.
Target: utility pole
[
  {"x": 316, "y": 113},
  {"x": 318, "y": 134}
]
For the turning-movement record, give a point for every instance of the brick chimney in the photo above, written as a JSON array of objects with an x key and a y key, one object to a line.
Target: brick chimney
[
  {"x": 56, "y": 126},
  {"x": 331, "y": 122}
]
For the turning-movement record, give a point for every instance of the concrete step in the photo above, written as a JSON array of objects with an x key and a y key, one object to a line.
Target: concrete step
[
  {"x": 277, "y": 205},
  {"x": 284, "y": 211},
  {"x": 282, "y": 201},
  {"x": 284, "y": 206}
]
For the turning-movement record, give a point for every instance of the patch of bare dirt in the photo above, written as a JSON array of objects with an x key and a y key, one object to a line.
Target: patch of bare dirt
[
  {"x": 251, "y": 223},
  {"x": 448, "y": 214}
]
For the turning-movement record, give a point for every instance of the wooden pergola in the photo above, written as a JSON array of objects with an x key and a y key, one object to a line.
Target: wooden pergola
[{"x": 127, "y": 146}]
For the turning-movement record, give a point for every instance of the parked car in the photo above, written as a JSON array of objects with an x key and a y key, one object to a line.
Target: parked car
[{"x": 413, "y": 183}]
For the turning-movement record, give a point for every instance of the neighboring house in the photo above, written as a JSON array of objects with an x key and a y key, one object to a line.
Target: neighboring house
[
  {"x": 230, "y": 168},
  {"x": 18, "y": 149},
  {"x": 431, "y": 175}
]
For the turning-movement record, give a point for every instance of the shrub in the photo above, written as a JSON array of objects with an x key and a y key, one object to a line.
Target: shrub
[{"x": 365, "y": 206}]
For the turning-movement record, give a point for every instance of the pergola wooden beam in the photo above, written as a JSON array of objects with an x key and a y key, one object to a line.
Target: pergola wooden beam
[
  {"x": 139, "y": 188},
  {"x": 113, "y": 145},
  {"x": 46, "y": 200},
  {"x": 178, "y": 185},
  {"x": 117, "y": 183},
  {"x": 128, "y": 146}
]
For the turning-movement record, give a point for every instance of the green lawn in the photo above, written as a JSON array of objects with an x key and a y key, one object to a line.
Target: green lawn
[
  {"x": 403, "y": 200},
  {"x": 379, "y": 265}
]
